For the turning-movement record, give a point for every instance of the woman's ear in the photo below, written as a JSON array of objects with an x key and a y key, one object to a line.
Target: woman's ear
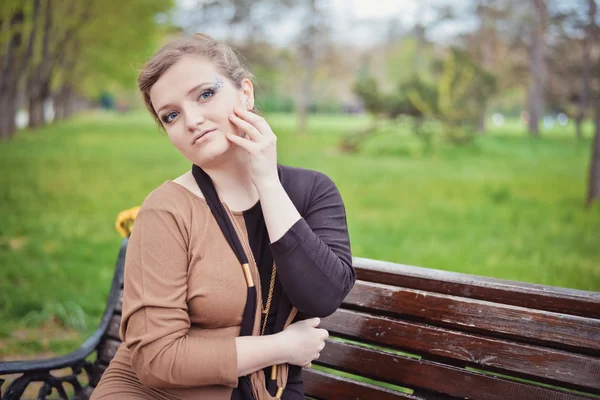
[{"x": 248, "y": 93}]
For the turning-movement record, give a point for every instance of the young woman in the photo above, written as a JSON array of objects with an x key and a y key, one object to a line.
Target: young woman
[{"x": 230, "y": 265}]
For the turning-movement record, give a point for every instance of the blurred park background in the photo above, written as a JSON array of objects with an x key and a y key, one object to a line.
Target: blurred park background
[{"x": 463, "y": 135}]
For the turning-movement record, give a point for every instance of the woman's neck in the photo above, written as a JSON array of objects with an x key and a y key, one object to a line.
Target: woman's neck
[{"x": 233, "y": 182}]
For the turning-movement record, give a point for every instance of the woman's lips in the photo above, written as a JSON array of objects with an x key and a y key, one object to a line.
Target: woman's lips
[{"x": 204, "y": 135}]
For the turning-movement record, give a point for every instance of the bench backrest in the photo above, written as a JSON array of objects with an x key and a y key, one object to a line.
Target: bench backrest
[
  {"x": 410, "y": 332},
  {"x": 443, "y": 335}
]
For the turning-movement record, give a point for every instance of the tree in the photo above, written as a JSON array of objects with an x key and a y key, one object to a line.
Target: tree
[
  {"x": 457, "y": 99},
  {"x": 18, "y": 27},
  {"x": 485, "y": 43},
  {"x": 70, "y": 49},
  {"x": 588, "y": 39},
  {"x": 311, "y": 44},
  {"x": 594, "y": 171},
  {"x": 110, "y": 48},
  {"x": 442, "y": 14},
  {"x": 246, "y": 20},
  {"x": 54, "y": 38},
  {"x": 537, "y": 66}
]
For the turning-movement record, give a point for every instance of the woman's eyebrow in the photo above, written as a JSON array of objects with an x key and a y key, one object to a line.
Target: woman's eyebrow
[{"x": 187, "y": 94}]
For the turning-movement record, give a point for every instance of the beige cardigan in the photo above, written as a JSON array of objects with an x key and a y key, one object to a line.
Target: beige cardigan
[{"x": 183, "y": 301}]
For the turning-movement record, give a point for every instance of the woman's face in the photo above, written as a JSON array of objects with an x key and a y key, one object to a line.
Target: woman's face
[{"x": 193, "y": 101}]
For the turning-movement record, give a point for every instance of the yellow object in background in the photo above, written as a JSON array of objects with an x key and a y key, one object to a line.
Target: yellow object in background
[{"x": 125, "y": 221}]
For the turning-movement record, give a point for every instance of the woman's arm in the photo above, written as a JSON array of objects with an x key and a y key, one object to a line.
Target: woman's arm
[
  {"x": 299, "y": 344},
  {"x": 312, "y": 251},
  {"x": 313, "y": 257},
  {"x": 278, "y": 210},
  {"x": 156, "y": 321}
]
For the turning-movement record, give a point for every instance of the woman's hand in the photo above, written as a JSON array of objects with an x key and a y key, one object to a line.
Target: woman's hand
[
  {"x": 260, "y": 142},
  {"x": 303, "y": 341}
]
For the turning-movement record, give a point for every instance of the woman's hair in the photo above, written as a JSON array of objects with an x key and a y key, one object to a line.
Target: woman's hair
[{"x": 220, "y": 54}]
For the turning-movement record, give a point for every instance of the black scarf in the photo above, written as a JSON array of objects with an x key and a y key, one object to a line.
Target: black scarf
[{"x": 244, "y": 389}]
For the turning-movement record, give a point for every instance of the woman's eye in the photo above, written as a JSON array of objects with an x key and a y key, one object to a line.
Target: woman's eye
[
  {"x": 207, "y": 94},
  {"x": 169, "y": 117}
]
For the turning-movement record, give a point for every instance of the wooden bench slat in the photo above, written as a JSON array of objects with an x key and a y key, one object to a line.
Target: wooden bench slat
[
  {"x": 528, "y": 295},
  {"x": 535, "y": 326},
  {"x": 408, "y": 372},
  {"x": 107, "y": 350},
  {"x": 321, "y": 385},
  {"x": 537, "y": 363},
  {"x": 113, "y": 327},
  {"x": 119, "y": 307}
]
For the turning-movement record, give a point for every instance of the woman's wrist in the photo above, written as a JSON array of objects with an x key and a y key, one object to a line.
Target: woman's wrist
[
  {"x": 265, "y": 185},
  {"x": 281, "y": 347}
]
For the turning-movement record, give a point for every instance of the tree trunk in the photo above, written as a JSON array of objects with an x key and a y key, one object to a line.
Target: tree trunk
[
  {"x": 59, "y": 106},
  {"x": 308, "y": 55},
  {"x": 588, "y": 39},
  {"x": 36, "y": 112},
  {"x": 38, "y": 82},
  {"x": 486, "y": 32},
  {"x": 594, "y": 175},
  {"x": 579, "y": 125},
  {"x": 304, "y": 100},
  {"x": 582, "y": 104},
  {"x": 70, "y": 105},
  {"x": 13, "y": 65},
  {"x": 8, "y": 112},
  {"x": 537, "y": 68},
  {"x": 419, "y": 47},
  {"x": 481, "y": 122},
  {"x": 39, "y": 92}
]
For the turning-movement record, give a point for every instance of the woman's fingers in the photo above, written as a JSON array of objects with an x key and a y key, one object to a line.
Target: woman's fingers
[
  {"x": 250, "y": 146},
  {"x": 246, "y": 127},
  {"x": 255, "y": 120}
]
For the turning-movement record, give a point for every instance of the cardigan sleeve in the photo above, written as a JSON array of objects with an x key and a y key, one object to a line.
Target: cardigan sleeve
[
  {"x": 155, "y": 313},
  {"x": 313, "y": 258}
]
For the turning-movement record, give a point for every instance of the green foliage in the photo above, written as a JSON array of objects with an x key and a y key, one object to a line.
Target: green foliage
[
  {"x": 115, "y": 44},
  {"x": 401, "y": 60},
  {"x": 8, "y": 9},
  {"x": 68, "y": 315},
  {"x": 458, "y": 98},
  {"x": 271, "y": 102},
  {"x": 367, "y": 89},
  {"x": 388, "y": 105}
]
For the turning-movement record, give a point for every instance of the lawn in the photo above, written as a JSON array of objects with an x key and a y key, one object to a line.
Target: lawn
[{"x": 506, "y": 206}]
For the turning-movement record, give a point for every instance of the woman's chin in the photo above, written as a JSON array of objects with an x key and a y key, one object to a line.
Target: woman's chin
[{"x": 212, "y": 151}]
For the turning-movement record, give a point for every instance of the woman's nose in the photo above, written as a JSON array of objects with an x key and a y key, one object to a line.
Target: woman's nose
[{"x": 193, "y": 118}]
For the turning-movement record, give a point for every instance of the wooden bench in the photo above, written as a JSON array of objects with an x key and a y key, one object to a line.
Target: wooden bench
[{"x": 407, "y": 333}]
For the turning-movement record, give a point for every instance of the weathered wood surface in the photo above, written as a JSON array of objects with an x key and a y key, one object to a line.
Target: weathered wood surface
[{"x": 521, "y": 294}]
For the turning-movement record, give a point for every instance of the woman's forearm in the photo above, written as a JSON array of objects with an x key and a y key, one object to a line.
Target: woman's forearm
[
  {"x": 257, "y": 352},
  {"x": 278, "y": 210}
]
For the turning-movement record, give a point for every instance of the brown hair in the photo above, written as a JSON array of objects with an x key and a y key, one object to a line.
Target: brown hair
[{"x": 223, "y": 56}]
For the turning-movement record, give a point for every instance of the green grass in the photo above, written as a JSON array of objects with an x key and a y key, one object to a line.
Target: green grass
[{"x": 506, "y": 206}]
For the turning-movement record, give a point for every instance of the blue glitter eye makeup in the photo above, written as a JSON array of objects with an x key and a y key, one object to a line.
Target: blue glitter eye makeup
[{"x": 217, "y": 83}]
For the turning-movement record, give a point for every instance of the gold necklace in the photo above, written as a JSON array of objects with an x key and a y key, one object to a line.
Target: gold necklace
[{"x": 267, "y": 307}]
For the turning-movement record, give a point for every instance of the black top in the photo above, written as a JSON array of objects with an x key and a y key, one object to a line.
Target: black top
[{"x": 313, "y": 258}]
